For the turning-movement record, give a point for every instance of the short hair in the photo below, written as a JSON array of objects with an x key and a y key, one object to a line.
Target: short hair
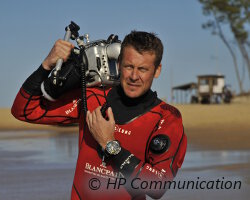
[{"x": 143, "y": 42}]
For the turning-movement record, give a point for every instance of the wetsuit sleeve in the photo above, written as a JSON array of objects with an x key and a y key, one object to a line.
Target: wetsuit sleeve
[
  {"x": 164, "y": 156},
  {"x": 30, "y": 106}
]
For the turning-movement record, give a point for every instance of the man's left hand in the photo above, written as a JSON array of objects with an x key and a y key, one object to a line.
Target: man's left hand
[{"x": 101, "y": 129}]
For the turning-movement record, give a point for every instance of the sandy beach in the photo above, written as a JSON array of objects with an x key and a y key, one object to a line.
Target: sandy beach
[
  {"x": 44, "y": 156},
  {"x": 225, "y": 126}
]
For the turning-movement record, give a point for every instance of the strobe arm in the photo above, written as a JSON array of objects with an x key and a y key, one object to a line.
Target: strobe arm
[{"x": 71, "y": 33}]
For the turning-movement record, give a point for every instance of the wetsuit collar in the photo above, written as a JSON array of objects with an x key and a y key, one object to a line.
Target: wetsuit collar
[
  {"x": 145, "y": 99},
  {"x": 125, "y": 109}
]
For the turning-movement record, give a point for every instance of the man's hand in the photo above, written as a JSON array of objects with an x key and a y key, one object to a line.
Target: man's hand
[
  {"x": 61, "y": 49},
  {"x": 101, "y": 129}
]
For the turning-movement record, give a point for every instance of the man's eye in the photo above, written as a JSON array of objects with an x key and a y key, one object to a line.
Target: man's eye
[
  {"x": 128, "y": 67},
  {"x": 143, "y": 69}
]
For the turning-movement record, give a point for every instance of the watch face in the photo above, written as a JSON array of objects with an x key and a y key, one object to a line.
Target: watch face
[{"x": 113, "y": 147}]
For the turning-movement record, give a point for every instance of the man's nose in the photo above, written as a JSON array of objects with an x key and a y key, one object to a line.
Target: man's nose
[{"x": 134, "y": 75}]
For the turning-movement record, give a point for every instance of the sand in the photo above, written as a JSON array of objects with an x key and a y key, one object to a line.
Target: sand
[{"x": 225, "y": 126}]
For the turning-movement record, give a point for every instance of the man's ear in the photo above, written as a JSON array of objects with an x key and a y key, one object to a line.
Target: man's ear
[
  {"x": 118, "y": 63},
  {"x": 157, "y": 71}
]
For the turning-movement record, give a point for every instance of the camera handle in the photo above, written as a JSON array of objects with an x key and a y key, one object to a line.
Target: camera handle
[{"x": 71, "y": 33}]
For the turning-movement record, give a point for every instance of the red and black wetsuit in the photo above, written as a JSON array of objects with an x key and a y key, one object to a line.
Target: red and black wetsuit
[{"x": 150, "y": 132}]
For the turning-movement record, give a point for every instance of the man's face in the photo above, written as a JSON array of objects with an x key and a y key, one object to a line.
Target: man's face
[{"x": 137, "y": 72}]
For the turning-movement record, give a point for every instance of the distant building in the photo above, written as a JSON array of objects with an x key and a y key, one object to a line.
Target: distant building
[
  {"x": 183, "y": 93},
  {"x": 209, "y": 89}
]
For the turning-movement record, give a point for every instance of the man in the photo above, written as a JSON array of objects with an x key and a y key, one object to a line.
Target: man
[{"x": 142, "y": 142}]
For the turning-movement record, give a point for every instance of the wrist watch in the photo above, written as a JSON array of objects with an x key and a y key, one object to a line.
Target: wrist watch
[{"x": 113, "y": 147}]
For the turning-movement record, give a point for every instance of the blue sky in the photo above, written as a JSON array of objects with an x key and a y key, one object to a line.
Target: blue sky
[{"x": 29, "y": 29}]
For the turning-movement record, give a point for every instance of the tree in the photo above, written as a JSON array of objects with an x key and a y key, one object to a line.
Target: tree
[{"x": 235, "y": 13}]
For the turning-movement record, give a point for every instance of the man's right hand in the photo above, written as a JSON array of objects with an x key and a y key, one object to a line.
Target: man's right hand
[{"x": 61, "y": 49}]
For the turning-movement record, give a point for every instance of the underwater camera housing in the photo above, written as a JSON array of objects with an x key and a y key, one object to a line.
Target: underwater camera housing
[
  {"x": 91, "y": 64},
  {"x": 101, "y": 62},
  {"x": 99, "y": 59}
]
